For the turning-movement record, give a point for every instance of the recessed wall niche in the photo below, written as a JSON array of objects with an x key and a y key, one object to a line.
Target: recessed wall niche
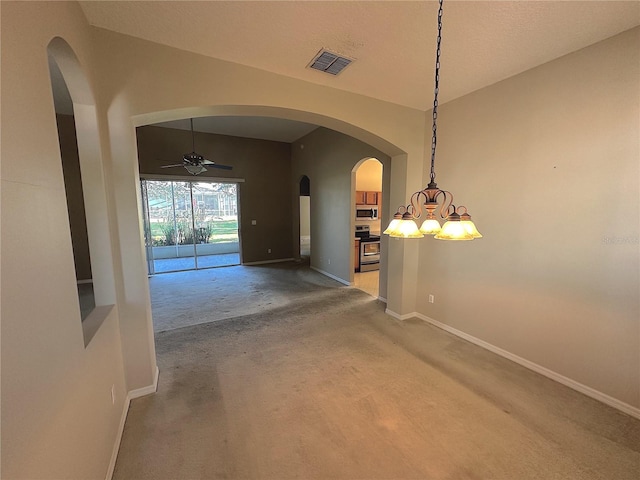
[{"x": 67, "y": 138}]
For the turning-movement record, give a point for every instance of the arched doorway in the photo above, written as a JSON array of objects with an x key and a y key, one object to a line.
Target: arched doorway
[
  {"x": 367, "y": 186},
  {"x": 330, "y": 255}
]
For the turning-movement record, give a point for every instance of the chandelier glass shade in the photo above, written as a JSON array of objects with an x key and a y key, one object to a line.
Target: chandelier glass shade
[
  {"x": 430, "y": 226},
  {"x": 453, "y": 229},
  {"x": 469, "y": 226},
  {"x": 397, "y": 218},
  {"x": 432, "y": 202}
]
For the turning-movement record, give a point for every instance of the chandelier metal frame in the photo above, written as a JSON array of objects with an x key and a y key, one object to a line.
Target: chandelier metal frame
[{"x": 425, "y": 202}]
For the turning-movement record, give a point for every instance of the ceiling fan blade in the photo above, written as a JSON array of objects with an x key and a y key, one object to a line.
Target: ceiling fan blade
[
  {"x": 214, "y": 164},
  {"x": 221, "y": 167},
  {"x": 171, "y": 166}
]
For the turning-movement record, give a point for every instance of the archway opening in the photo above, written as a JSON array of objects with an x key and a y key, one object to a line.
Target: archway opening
[
  {"x": 328, "y": 155},
  {"x": 367, "y": 186}
]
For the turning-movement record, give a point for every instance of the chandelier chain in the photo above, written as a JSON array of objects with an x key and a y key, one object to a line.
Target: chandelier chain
[
  {"x": 435, "y": 97},
  {"x": 432, "y": 199}
]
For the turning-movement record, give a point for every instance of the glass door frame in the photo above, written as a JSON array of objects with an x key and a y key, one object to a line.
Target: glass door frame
[
  {"x": 147, "y": 219},
  {"x": 148, "y": 240}
]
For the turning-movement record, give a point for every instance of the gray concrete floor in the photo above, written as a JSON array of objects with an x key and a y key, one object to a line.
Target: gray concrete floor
[
  {"x": 312, "y": 380},
  {"x": 164, "y": 265}
]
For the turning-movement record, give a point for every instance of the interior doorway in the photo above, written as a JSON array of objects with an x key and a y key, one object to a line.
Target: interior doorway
[
  {"x": 190, "y": 225},
  {"x": 305, "y": 217},
  {"x": 367, "y": 186}
]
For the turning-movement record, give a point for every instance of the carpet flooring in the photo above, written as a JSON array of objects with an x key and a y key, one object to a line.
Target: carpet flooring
[
  {"x": 201, "y": 296},
  {"x": 322, "y": 384}
]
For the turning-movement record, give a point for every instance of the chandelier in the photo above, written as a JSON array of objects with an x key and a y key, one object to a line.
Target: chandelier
[{"x": 432, "y": 202}]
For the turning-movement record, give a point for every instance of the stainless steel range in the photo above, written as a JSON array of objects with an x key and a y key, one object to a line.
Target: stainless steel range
[{"x": 369, "y": 249}]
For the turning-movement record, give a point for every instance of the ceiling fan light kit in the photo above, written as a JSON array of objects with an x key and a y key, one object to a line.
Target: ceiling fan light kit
[
  {"x": 195, "y": 163},
  {"x": 195, "y": 169},
  {"x": 432, "y": 202}
]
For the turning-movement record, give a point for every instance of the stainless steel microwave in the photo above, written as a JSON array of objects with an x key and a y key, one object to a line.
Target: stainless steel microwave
[{"x": 366, "y": 212}]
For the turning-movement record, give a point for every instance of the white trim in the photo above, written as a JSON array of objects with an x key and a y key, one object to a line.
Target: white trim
[
  {"x": 123, "y": 418},
  {"x": 116, "y": 445},
  {"x": 263, "y": 262},
  {"x": 382, "y": 299},
  {"x": 398, "y": 316},
  {"x": 190, "y": 178},
  {"x": 584, "y": 389},
  {"x": 141, "y": 392},
  {"x": 330, "y": 275},
  {"x": 83, "y": 282}
]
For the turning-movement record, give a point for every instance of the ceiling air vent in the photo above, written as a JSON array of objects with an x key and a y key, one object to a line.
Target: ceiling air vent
[{"x": 329, "y": 62}]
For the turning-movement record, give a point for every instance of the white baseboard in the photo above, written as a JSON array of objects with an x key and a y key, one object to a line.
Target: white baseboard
[
  {"x": 123, "y": 418},
  {"x": 584, "y": 389},
  {"x": 398, "y": 316},
  {"x": 141, "y": 392},
  {"x": 327, "y": 274},
  {"x": 382, "y": 299},
  {"x": 116, "y": 445},
  {"x": 263, "y": 262}
]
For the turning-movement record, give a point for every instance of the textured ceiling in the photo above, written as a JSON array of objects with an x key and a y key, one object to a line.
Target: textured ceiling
[{"x": 392, "y": 42}]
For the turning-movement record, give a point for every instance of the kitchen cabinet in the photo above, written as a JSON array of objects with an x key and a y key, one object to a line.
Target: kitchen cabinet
[{"x": 366, "y": 198}]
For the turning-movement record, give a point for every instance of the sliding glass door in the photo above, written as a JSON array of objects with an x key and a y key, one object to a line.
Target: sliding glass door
[
  {"x": 190, "y": 225},
  {"x": 148, "y": 245}
]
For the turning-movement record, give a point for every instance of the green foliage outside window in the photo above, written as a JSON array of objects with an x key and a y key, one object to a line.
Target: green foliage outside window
[{"x": 164, "y": 233}]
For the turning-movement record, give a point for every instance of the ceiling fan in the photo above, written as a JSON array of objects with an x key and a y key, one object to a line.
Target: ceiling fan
[{"x": 195, "y": 163}]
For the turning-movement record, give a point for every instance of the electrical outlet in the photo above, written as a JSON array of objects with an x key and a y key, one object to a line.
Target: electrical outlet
[
  {"x": 268, "y": 250},
  {"x": 431, "y": 299},
  {"x": 329, "y": 261}
]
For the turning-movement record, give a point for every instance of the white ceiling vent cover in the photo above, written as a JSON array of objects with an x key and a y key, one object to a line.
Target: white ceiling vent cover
[{"x": 329, "y": 62}]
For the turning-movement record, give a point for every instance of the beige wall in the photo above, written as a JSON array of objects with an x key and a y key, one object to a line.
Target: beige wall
[
  {"x": 369, "y": 176},
  {"x": 548, "y": 164},
  {"x": 328, "y": 159},
  {"x": 305, "y": 216},
  {"x": 58, "y": 420},
  {"x": 264, "y": 166},
  {"x": 570, "y": 305}
]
